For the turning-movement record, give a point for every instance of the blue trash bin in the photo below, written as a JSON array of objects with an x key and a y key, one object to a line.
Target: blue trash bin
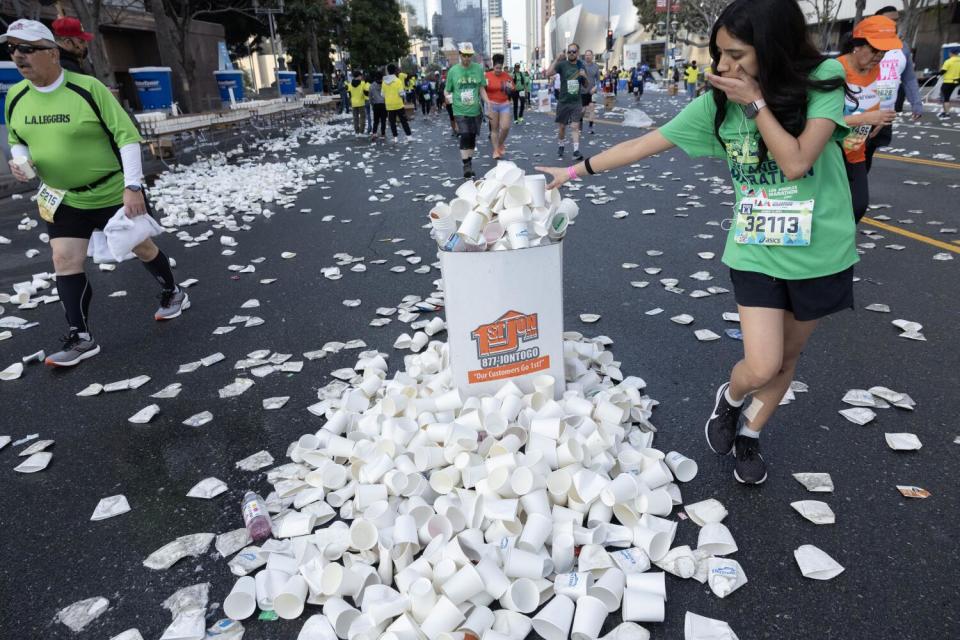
[
  {"x": 9, "y": 76},
  {"x": 318, "y": 83},
  {"x": 154, "y": 87},
  {"x": 231, "y": 79},
  {"x": 288, "y": 82}
]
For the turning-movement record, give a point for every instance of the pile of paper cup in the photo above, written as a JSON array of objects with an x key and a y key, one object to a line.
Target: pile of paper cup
[
  {"x": 466, "y": 515},
  {"x": 504, "y": 210}
]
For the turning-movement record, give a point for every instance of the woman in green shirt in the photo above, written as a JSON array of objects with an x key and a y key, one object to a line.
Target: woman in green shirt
[{"x": 775, "y": 115}]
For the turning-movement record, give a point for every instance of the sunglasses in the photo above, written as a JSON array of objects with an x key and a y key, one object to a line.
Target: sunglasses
[
  {"x": 25, "y": 49},
  {"x": 572, "y": 52},
  {"x": 467, "y": 55}
]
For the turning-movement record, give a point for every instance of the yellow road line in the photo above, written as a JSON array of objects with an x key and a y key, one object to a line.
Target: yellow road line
[
  {"x": 913, "y": 236},
  {"x": 932, "y": 163}
]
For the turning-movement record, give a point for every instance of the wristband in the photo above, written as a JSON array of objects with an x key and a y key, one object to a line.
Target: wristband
[
  {"x": 572, "y": 172},
  {"x": 586, "y": 164}
]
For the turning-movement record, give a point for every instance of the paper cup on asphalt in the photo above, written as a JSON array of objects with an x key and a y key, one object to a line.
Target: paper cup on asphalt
[
  {"x": 339, "y": 581},
  {"x": 651, "y": 582},
  {"x": 536, "y": 531},
  {"x": 683, "y": 468},
  {"x": 657, "y": 502},
  {"x": 724, "y": 575},
  {"x": 444, "y": 617},
  {"x": 573, "y": 585},
  {"x": 289, "y": 602},
  {"x": 642, "y": 606},
  {"x": 340, "y": 614},
  {"x": 816, "y": 564},
  {"x": 536, "y": 185},
  {"x": 609, "y": 589},
  {"x": 706, "y": 511},
  {"x": 494, "y": 579},
  {"x": 463, "y": 585},
  {"x": 553, "y": 621},
  {"x": 588, "y": 619},
  {"x": 522, "y": 596},
  {"x": 269, "y": 583},
  {"x": 623, "y": 489},
  {"x": 656, "y": 544},
  {"x": 656, "y": 475},
  {"x": 363, "y": 535},
  {"x": 242, "y": 601},
  {"x": 716, "y": 540},
  {"x": 523, "y": 564}
]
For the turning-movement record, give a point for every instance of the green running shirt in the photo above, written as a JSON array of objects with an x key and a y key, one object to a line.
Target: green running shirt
[{"x": 66, "y": 140}]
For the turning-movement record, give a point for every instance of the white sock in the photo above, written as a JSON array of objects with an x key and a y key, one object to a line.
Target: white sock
[
  {"x": 84, "y": 336},
  {"x": 750, "y": 433},
  {"x": 731, "y": 401},
  {"x": 576, "y": 146}
]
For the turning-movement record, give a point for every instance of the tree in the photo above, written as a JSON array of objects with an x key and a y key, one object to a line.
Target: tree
[
  {"x": 375, "y": 34},
  {"x": 174, "y": 21},
  {"x": 420, "y": 33},
  {"x": 694, "y": 19},
  {"x": 824, "y": 14}
]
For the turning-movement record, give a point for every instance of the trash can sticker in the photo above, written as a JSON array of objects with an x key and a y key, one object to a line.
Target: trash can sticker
[{"x": 501, "y": 351}]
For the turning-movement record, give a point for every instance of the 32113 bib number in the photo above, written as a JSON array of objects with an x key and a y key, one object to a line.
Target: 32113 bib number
[{"x": 776, "y": 223}]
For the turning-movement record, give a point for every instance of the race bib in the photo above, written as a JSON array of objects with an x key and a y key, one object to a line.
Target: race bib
[
  {"x": 467, "y": 97},
  {"x": 774, "y": 223},
  {"x": 857, "y": 137},
  {"x": 48, "y": 199},
  {"x": 573, "y": 86}
]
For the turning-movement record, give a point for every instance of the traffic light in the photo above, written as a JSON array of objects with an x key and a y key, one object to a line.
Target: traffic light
[
  {"x": 536, "y": 53},
  {"x": 609, "y": 39}
]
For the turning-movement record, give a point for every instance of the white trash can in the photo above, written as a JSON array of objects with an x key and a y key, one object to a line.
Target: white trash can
[{"x": 504, "y": 313}]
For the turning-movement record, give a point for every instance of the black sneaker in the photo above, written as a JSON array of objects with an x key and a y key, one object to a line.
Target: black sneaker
[
  {"x": 577, "y": 155},
  {"x": 750, "y": 467},
  {"x": 468, "y": 169},
  {"x": 721, "y": 428},
  {"x": 560, "y": 151}
]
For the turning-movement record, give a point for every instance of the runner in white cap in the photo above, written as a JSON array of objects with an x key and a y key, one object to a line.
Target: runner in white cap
[
  {"x": 83, "y": 184},
  {"x": 466, "y": 91}
]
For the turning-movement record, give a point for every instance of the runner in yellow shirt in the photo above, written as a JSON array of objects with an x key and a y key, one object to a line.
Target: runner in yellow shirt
[
  {"x": 951, "y": 78},
  {"x": 359, "y": 92}
]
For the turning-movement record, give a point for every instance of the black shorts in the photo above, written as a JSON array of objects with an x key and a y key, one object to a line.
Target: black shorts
[
  {"x": 469, "y": 125},
  {"x": 947, "y": 89},
  {"x": 808, "y": 299},
  {"x": 568, "y": 113},
  {"x": 70, "y": 222},
  {"x": 586, "y": 99}
]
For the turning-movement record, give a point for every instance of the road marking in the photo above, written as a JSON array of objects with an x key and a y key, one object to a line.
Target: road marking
[
  {"x": 932, "y": 163},
  {"x": 914, "y": 236}
]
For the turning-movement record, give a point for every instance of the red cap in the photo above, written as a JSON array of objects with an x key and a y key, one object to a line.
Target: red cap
[
  {"x": 879, "y": 31},
  {"x": 70, "y": 28}
]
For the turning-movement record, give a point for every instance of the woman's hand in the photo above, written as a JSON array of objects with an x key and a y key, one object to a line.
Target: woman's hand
[
  {"x": 739, "y": 87},
  {"x": 879, "y": 118},
  {"x": 558, "y": 176}
]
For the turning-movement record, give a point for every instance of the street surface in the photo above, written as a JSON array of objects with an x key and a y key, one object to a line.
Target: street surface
[{"x": 900, "y": 555}]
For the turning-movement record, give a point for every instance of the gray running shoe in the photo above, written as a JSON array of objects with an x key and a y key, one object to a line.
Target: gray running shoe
[
  {"x": 74, "y": 350},
  {"x": 172, "y": 304}
]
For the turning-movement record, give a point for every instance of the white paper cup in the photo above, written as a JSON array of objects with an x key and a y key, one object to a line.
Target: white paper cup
[
  {"x": 536, "y": 531},
  {"x": 289, "y": 602},
  {"x": 536, "y": 184},
  {"x": 516, "y": 196},
  {"x": 657, "y": 502},
  {"x": 24, "y": 164},
  {"x": 463, "y": 585},
  {"x": 508, "y": 173},
  {"x": 656, "y": 544},
  {"x": 488, "y": 191},
  {"x": 242, "y": 601},
  {"x": 558, "y": 225},
  {"x": 336, "y": 580},
  {"x": 716, "y": 539},
  {"x": 568, "y": 207},
  {"x": 282, "y": 563},
  {"x": 524, "y": 564},
  {"x": 471, "y": 229},
  {"x": 573, "y": 585},
  {"x": 269, "y": 583},
  {"x": 651, "y": 582},
  {"x": 422, "y": 598},
  {"x": 609, "y": 589},
  {"x": 467, "y": 190},
  {"x": 514, "y": 215},
  {"x": 642, "y": 606},
  {"x": 553, "y": 621},
  {"x": 340, "y": 614},
  {"x": 683, "y": 468},
  {"x": 656, "y": 475},
  {"x": 622, "y": 489},
  {"x": 522, "y": 596},
  {"x": 588, "y": 619},
  {"x": 518, "y": 235},
  {"x": 459, "y": 208},
  {"x": 495, "y": 582},
  {"x": 444, "y": 617}
]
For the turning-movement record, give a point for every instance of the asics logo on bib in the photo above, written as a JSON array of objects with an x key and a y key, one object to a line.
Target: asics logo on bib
[{"x": 53, "y": 118}]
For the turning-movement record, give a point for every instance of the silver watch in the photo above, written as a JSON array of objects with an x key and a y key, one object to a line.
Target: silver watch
[{"x": 751, "y": 110}]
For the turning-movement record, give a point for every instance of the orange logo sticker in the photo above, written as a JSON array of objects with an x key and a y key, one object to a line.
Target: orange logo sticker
[{"x": 499, "y": 348}]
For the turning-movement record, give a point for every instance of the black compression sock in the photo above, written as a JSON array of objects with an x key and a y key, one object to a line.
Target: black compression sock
[
  {"x": 75, "y": 294},
  {"x": 159, "y": 268}
]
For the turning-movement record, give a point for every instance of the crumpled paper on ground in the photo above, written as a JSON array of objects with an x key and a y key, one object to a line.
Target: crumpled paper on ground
[
  {"x": 696, "y": 627},
  {"x": 815, "y": 563},
  {"x": 79, "y": 614},
  {"x": 168, "y": 555}
]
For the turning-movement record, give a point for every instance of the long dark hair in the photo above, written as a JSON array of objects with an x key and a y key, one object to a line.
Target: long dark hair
[{"x": 786, "y": 58}]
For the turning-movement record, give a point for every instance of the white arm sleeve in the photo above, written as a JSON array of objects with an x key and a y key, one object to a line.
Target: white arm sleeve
[
  {"x": 19, "y": 151},
  {"x": 132, "y": 166}
]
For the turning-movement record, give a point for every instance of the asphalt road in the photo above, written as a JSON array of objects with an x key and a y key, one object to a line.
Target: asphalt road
[{"x": 900, "y": 555}]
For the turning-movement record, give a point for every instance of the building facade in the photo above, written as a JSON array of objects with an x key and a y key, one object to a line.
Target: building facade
[{"x": 462, "y": 21}]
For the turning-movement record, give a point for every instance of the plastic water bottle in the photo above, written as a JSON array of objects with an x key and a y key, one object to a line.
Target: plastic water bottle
[{"x": 256, "y": 518}]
